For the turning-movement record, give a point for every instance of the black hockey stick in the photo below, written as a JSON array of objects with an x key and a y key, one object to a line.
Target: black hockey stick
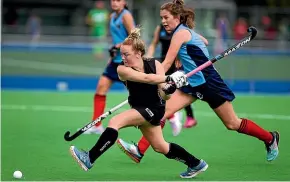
[
  {"x": 252, "y": 34},
  {"x": 67, "y": 136}
]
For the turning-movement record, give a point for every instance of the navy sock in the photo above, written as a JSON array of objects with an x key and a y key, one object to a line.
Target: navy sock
[{"x": 189, "y": 112}]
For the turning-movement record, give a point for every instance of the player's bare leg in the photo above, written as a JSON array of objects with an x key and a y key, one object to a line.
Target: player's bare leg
[{"x": 242, "y": 125}]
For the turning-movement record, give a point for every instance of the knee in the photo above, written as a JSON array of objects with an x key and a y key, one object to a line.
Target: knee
[
  {"x": 233, "y": 124},
  {"x": 161, "y": 148},
  {"x": 113, "y": 123}
]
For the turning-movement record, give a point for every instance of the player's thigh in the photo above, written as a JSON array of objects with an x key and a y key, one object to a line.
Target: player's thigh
[
  {"x": 228, "y": 116},
  {"x": 155, "y": 137},
  {"x": 104, "y": 85},
  {"x": 127, "y": 118},
  {"x": 177, "y": 101}
]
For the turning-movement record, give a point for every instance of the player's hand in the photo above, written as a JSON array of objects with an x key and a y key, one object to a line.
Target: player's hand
[
  {"x": 169, "y": 88},
  {"x": 113, "y": 51},
  {"x": 179, "y": 79}
]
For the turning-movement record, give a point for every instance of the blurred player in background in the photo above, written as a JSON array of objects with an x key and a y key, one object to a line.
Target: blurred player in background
[
  {"x": 222, "y": 33},
  {"x": 97, "y": 19},
  {"x": 121, "y": 23},
  {"x": 143, "y": 78},
  {"x": 33, "y": 27},
  {"x": 206, "y": 85}
]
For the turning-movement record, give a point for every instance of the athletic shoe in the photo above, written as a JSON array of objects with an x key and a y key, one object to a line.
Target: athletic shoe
[
  {"x": 82, "y": 157},
  {"x": 272, "y": 148},
  {"x": 95, "y": 130},
  {"x": 130, "y": 150},
  {"x": 175, "y": 124},
  {"x": 189, "y": 122},
  {"x": 192, "y": 172}
]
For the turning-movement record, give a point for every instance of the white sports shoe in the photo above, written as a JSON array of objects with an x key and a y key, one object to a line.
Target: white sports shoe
[
  {"x": 95, "y": 130},
  {"x": 175, "y": 123}
]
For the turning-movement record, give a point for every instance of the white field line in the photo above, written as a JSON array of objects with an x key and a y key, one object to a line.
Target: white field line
[
  {"x": 59, "y": 108},
  {"x": 65, "y": 68}
]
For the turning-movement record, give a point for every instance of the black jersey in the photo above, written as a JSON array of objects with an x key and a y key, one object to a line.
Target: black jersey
[
  {"x": 143, "y": 94},
  {"x": 164, "y": 39}
]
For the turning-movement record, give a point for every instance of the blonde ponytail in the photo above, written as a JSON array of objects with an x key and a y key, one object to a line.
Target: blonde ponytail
[{"x": 134, "y": 39}]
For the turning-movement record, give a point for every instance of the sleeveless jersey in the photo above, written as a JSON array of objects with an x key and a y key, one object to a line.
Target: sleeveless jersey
[
  {"x": 143, "y": 94},
  {"x": 164, "y": 39},
  {"x": 118, "y": 31},
  {"x": 193, "y": 54}
]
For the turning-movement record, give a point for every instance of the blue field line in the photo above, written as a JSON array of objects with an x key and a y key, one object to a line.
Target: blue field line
[
  {"x": 89, "y": 83},
  {"x": 83, "y": 47}
]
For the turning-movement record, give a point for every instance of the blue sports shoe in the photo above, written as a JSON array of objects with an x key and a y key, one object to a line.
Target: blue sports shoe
[
  {"x": 192, "y": 172},
  {"x": 131, "y": 150},
  {"x": 82, "y": 157},
  {"x": 272, "y": 148}
]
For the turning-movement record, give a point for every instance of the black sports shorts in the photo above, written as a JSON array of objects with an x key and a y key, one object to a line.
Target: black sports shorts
[
  {"x": 214, "y": 91},
  {"x": 151, "y": 114}
]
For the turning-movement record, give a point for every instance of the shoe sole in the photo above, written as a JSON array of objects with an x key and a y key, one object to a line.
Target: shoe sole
[
  {"x": 126, "y": 152},
  {"x": 81, "y": 164},
  {"x": 195, "y": 174},
  {"x": 277, "y": 139}
]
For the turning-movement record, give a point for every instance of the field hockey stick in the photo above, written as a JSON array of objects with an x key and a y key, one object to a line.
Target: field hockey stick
[
  {"x": 252, "y": 34},
  {"x": 67, "y": 136}
]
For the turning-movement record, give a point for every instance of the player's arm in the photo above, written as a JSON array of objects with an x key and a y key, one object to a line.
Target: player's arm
[
  {"x": 155, "y": 40},
  {"x": 128, "y": 74},
  {"x": 177, "y": 40},
  {"x": 128, "y": 22},
  {"x": 160, "y": 71}
]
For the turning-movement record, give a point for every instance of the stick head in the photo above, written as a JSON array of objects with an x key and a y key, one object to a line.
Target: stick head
[
  {"x": 67, "y": 137},
  {"x": 253, "y": 32}
]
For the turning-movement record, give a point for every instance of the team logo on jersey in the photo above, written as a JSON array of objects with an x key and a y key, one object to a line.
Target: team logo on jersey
[
  {"x": 199, "y": 95},
  {"x": 149, "y": 112}
]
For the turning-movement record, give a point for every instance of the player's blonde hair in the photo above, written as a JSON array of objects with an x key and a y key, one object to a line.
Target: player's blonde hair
[
  {"x": 177, "y": 8},
  {"x": 134, "y": 39}
]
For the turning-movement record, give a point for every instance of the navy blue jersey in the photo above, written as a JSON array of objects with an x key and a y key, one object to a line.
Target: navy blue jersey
[
  {"x": 164, "y": 39},
  {"x": 193, "y": 54},
  {"x": 118, "y": 31}
]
